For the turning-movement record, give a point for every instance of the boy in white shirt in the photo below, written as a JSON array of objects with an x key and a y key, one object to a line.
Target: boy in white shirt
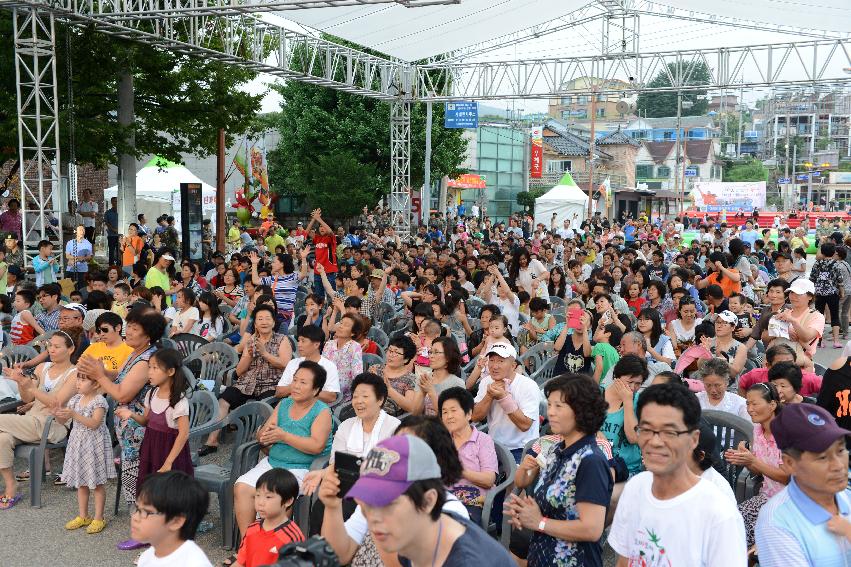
[{"x": 166, "y": 515}]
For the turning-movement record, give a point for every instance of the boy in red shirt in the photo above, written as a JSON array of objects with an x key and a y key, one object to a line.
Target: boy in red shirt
[
  {"x": 325, "y": 249},
  {"x": 277, "y": 490}
]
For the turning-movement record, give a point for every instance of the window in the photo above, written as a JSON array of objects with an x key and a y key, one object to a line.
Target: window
[
  {"x": 643, "y": 171},
  {"x": 601, "y": 112},
  {"x": 663, "y": 171},
  {"x": 667, "y": 135},
  {"x": 601, "y": 97},
  {"x": 582, "y": 99},
  {"x": 565, "y": 115},
  {"x": 566, "y": 99},
  {"x": 559, "y": 165}
]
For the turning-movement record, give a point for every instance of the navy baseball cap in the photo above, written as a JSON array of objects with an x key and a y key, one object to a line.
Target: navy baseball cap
[{"x": 806, "y": 427}]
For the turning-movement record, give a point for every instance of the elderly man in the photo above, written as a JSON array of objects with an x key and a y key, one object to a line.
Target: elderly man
[
  {"x": 509, "y": 401},
  {"x": 807, "y": 523},
  {"x": 635, "y": 343}
]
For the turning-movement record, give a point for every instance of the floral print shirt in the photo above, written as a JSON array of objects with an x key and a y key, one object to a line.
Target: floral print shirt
[
  {"x": 578, "y": 473},
  {"x": 349, "y": 361},
  {"x": 129, "y": 432}
]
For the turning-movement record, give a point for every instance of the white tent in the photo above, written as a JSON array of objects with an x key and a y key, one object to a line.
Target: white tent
[
  {"x": 565, "y": 199},
  {"x": 158, "y": 191}
]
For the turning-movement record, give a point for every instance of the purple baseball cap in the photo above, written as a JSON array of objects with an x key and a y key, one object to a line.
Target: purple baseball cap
[
  {"x": 391, "y": 468},
  {"x": 806, "y": 427}
]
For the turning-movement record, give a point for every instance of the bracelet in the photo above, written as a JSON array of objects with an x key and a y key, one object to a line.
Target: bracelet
[{"x": 542, "y": 525}]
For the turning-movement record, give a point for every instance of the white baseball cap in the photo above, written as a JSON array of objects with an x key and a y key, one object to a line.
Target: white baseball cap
[
  {"x": 802, "y": 286},
  {"x": 504, "y": 350}
]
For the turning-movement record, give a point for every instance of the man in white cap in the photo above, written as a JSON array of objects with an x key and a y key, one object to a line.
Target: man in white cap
[{"x": 510, "y": 401}]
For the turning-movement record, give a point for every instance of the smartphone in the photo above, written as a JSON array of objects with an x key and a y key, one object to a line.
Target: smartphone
[
  {"x": 347, "y": 467},
  {"x": 574, "y": 319}
]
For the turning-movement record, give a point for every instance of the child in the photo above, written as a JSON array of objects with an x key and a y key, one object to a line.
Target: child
[
  {"x": 689, "y": 360},
  {"x": 497, "y": 333},
  {"x": 277, "y": 490},
  {"x": 121, "y": 296},
  {"x": 604, "y": 353},
  {"x": 44, "y": 265},
  {"x": 88, "y": 457},
  {"x": 540, "y": 322},
  {"x": 634, "y": 299},
  {"x": 166, "y": 417},
  {"x": 186, "y": 313},
  {"x": 745, "y": 323},
  {"x": 24, "y": 326},
  {"x": 429, "y": 330},
  {"x": 166, "y": 515},
  {"x": 524, "y": 298},
  {"x": 75, "y": 296},
  {"x": 212, "y": 322}
]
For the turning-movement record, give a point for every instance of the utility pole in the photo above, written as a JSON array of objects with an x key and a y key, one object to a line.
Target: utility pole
[
  {"x": 786, "y": 200},
  {"x": 591, "y": 154},
  {"x": 220, "y": 192},
  {"x": 677, "y": 158},
  {"x": 425, "y": 204},
  {"x": 739, "y": 142}
]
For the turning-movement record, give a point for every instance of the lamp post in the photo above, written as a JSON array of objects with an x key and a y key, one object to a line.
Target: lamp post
[
  {"x": 591, "y": 145},
  {"x": 678, "y": 188}
]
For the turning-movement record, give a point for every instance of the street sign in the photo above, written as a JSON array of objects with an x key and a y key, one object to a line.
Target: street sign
[
  {"x": 691, "y": 173},
  {"x": 817, "y": 174},
  {"x": 461, "y": 115},
  {"x": 784, "y": 180},
  {"x": 803, "y": 177}
]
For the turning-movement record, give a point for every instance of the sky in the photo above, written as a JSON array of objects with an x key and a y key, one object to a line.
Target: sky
[{"x": 657, "y": 34}]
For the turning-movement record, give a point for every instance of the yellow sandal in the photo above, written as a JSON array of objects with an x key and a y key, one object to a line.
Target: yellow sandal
[
  {"x": 96, "y": 527},
  {"x": 77, "y": 523}
]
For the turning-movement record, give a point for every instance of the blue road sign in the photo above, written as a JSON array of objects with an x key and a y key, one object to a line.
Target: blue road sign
[
  {"x": 803, "y": 177},
  {"x": 817, "y": 174},
  {"x": 784, "y": 180},
  {"x": 691, "y": 173},
  {"x": 461, "y": 115}
]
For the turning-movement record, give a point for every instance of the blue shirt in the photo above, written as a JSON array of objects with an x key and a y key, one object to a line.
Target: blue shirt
[
  {"x": 628, "y": 233},
  {"x": 792, "y": 530},
  {"x": 749, "y": 236},
  {"x": 78, "y": 249},
  {"x": 110, "y": 218}
]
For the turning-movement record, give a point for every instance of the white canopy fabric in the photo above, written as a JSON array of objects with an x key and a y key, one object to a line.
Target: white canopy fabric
[
  {"x": 158, "y": 191},
  {"x": 411, "y": 34},
  {"x": 565, "y": 199}
]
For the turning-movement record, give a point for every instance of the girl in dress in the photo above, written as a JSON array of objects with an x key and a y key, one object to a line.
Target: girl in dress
[
  {"x": 88, "y": 457},
  {"x": 166, "y": 417}
]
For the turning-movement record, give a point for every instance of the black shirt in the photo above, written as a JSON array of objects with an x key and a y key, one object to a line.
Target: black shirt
[
  {"x": 472, "y": 548},
  {"x": 835, "y": 396}
]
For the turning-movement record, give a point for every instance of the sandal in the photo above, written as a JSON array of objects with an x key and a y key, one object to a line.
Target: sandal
[
  {"x": 58, "y": 481},
  {"x": 23, "y": 476},
  {"x": 6, "y": 502},
  {"x": 229, "y": 561},
  {"x": 207, "y": 450}
]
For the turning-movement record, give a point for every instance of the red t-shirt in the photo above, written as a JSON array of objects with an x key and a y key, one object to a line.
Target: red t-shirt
[
  {"x": 635, "y": 305},
  {"x": 261, "y": 547},
  {"x": 810, "y": 383},
  {"x": 326, "y": 252}
]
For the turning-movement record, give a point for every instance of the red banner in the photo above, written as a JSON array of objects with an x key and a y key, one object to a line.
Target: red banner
[
  {"x": 536, "y": 166},
  {"x": 468, "y": 181}
]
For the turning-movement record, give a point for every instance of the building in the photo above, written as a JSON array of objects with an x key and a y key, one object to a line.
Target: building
[
  {"x": 665, "y": 128},
  {"x": 819, "y": 121},
  {"x": 723, "y": 103},
  {"x": 577, "y": 107}
]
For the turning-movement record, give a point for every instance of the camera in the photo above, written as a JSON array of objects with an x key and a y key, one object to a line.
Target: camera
[{"x": 313, "y": 552}]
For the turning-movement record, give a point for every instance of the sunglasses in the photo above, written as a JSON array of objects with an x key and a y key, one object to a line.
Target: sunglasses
[{"x": 104, "y": 329}]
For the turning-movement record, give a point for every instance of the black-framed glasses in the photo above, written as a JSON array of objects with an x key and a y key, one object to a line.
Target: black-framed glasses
[
  {"x": 665, "y": 434},
  {"x": 135, "y": 509},
  {"x": 104, "y": 329}
]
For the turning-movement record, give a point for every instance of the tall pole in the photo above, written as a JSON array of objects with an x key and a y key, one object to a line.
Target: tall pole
[
  {"x": 220, "y": 192},
  {"x": 677, "y": 159},
  {"x": 794, "y": 167},
  {"x": 591, "y": 154},
  {"x": 739, "y": 142},
  {"x": 425, "y": 206},
  {"x": 786, "y": 200}
]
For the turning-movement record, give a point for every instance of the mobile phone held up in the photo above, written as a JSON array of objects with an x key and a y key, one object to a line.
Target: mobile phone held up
[
  {"x": 574, "y": 318},
  {"x": 347, "y": 467}
]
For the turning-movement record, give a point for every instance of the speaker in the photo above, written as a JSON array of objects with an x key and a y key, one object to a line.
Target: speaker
[{"x": 622, "y": 107}]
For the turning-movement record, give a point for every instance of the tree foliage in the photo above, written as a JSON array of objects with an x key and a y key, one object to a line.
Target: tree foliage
[
  {"x": 659, "y": 104},
  {"x": 180, "y": 101},
  {"x": 335, "y": 147},
  {"x": 527, "y": 198},
  {"x": 750, "y": 170}
]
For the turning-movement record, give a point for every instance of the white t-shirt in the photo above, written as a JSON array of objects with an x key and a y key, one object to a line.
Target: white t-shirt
[
  {"x": 565, "y": 233},
  {"x": 187, "y": 555},
  {"x": 527, "y": 394},
  {"x": 332, "y": 380},
  {"x": 511, "y": 310},
  {"x": 88, "y": 207},
  {"x": 530, "y": 277},
  {"x": 731, "y": 403},
  {"x": 699, "y": 528},
  {"x": 720, "y": 482},
  {"x": 181, "y": 318},
  {"x": 357, "y": 526}
]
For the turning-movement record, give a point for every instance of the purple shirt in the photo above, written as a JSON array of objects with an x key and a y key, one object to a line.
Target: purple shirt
[
  {"x": 478, "y": 454},
  {"x": 11, "y": 222}
]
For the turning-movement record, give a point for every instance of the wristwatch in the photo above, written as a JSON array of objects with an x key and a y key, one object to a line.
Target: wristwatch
[{"x": 542, "y": 525}]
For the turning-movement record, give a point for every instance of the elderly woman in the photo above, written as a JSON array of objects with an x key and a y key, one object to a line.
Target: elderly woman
[
  {"x": 402, "y": 394},
  {"x": 298, "y": 431},
  {"x": 346, "y": 352},
  {"x": 475, "y": 449},
  {"x": 128, "y": 387},
  {"x": 49, "y": 390},
  {"x": 725, "y": 346},
  {"x": 715, "y": 375},
  {"x": 804, "y": 325},
  {"x": 263, "y": 360},
  {"x": 571, "y": 481}
]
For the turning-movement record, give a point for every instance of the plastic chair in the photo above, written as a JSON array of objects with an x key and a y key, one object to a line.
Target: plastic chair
[
  {"x": 536, "y": 357},
  {"x": 344, "y": 411},
  {"x": 245, "y": 458},
  {"x": 187, "y": 343},
  {"x": 506, "y": 471},
  {"x": 220, "y": 478},
  {"x": 168, "y": 343},
  {"x": 474, "y": 306},
  {"x": 40, "y": 342},
  {"x": 370, "y": 359},
  {"x": 380, "y": 337},
  {"x": 556, "y": 301},
  {"x": 203, "y": 410},
  {"x": 819, "y": 369},
  {"x": 385, "y": 313},
  {"x": 543, "y": 374},
  {"x": 12, "y": 355},
  {"x": 34, "y": 453},
  {"x": 213, "y": 361},
  {"x": 730, "y": 430}
]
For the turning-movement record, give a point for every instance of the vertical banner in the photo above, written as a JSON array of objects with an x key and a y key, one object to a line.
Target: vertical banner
[{"x": 536, "y": 166}]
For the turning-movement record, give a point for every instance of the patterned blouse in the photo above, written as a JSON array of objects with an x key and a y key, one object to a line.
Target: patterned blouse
[
  {"x": 578, "y": 473},
  {"x": 261, "y": 377},
  {"x": 129, "y": 432},
  {"x": 765, "y": 449},
  {"x": 402, "y": 384},
  {"x": 349, "y": 361}
]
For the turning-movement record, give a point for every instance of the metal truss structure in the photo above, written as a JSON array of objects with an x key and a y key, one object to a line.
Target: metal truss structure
[
  {"x": 231, "y": 31},
  {"x": 38, "y": 128}
]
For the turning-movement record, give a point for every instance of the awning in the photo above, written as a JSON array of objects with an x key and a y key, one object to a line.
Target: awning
[{"x": 468, "y": 181}]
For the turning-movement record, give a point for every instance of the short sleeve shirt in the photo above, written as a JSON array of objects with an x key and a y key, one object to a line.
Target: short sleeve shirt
[
  {"x": 332, "y": 379},
  {"x": 159, "y": 405}
]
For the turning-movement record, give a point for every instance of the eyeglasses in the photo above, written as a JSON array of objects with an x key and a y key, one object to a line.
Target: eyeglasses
[
  {"x": 134, "y": 509},
  {"x": 104, "y": 329},
  {"x": 665, "y": 435},
  {"x": 440, "y": 352},
  {"x": 70, "y": 318},
  {"x": 396, "y": 352}
]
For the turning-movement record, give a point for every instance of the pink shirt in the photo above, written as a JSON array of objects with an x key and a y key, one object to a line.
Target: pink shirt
[
  {"x": 810, "y": 385},
  {"x": 765, "y": 449},
  {"x": 478, "y": 454}
]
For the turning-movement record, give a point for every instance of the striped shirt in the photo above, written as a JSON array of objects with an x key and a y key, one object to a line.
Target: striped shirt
[
  {"x": 792, "y": 530},
  {"x": 49, "y": 321},
  {"x": 283, "y": 288}
]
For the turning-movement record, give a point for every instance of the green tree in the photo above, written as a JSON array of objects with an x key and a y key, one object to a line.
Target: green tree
[
  {"x": 180, "y": 101},
  {"x": 750, "y": 170},
  {"x": 527, "y": 198},
  {"x": 326, "y": 133},
  {"x": 659, "y": 104}
]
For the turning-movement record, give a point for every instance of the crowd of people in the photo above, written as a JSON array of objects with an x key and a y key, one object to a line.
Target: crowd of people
[{"x": 587, "y": 352}]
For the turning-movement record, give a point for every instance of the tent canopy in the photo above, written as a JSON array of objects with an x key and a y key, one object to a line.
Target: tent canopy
[{"x": 566, "y": 200}]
